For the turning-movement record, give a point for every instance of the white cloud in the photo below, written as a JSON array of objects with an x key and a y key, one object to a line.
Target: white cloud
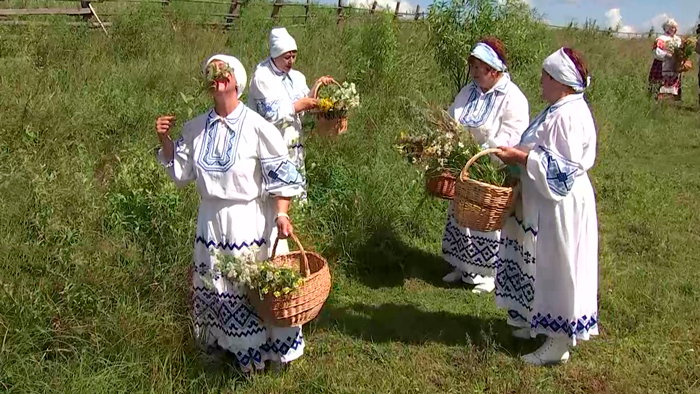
[
  {"x": 614, "y": 21},
  {"x": 405, "y": 6},
  {"x": 657, "y": 22}
]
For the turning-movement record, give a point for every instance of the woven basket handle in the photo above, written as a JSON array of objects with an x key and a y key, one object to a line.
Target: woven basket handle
[
  {"x": 304, "y": 264},
  {"x": 318, "y": 89},
  {"x": 465, "y": 171}
]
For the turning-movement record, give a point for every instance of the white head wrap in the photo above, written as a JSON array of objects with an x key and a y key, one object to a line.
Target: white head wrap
[
  {"x": 487, "y": 55},
  {"x": 281, "y": 42},
  {"x": 671, "y": 23},
  {"x": 237, "y": 67},
  {"x": 560, "y": 67}
]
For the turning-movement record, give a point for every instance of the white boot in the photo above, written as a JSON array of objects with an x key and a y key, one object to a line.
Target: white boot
[
  {"x": 485, "y": 285},
  {"x": 453, "y": 277},
  {"x": 554, "y": 351},
  {"x": 522, "y": 333}
]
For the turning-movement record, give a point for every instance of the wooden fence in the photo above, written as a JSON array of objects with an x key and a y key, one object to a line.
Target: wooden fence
[{"x": 86, "y": 13}]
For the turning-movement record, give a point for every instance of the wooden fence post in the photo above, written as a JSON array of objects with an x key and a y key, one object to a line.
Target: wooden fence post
[
  {"x": 374, "y": 7},
  {"x": 340, "y": 11},
  {"x": 276, "y": 6},
  {"x": 234, "y": 12},
  {"x": 85, "y": 4},
  {"x": 307, "y": 10},
  {"x": 396, "y": 12},
  {"x": 415, "y": 18}
]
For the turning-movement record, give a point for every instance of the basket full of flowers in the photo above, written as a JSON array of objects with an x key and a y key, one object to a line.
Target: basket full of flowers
[
  {"x": 335, "y": 101},
  {"x": 457, "y": 167},
  {"x": 287, "y": 290},
  {"x": 684, "y": 53}
]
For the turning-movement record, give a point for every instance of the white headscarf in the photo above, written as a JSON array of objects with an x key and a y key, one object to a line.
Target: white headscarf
[
  {"x": 487, "y": 55},
  {"x": 237, "y": 67},
  {"x": 671, "y": 23},
  {"x": 281, "y": 42},
  {"x": 560, "y": 67}
]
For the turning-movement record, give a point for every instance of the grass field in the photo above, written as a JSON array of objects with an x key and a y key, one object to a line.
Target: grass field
[{"x": 95, "y": 241}]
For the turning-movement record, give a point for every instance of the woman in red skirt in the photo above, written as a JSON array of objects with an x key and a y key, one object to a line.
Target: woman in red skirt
[{"x": 664, "y": 78}]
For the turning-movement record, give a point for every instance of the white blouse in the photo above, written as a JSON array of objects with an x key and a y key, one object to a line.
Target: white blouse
[
  {"x": 273, "y": 93},
  {"x": 238, "y": 158},
  {"x": 661, "y": 53},
  {"x": 495, "y": 118}
]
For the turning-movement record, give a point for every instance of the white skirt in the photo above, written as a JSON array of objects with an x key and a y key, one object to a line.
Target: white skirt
[
  {"x": 472, "y": 252},
  {"x": 223, "y": 315},
  {"x": 547, "y": 271}
]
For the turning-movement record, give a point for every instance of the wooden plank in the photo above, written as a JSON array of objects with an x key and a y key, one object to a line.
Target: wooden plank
[
  {"x": 45, "y": 11},
  {"x": 415, "y": 18},
  {"x": 396, "y": 12},
  {"x": 340, "y": 11},
  {"x": 307, "y": 10},
  {"x": 374, "y": 7},
  {"x": 234, "y": 11},
  {"x": 38, "y": 23},
  {"x": 276, "y": 6}
]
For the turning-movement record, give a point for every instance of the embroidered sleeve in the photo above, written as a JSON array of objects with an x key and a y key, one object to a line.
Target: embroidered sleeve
[
  {"x": 555, "y": 162},
  {"x": 269, "y": 102},
  {"x": 181, "y": 167},
  {"x": 280, "y": 176},
  {"x": 660, "y": 52}
]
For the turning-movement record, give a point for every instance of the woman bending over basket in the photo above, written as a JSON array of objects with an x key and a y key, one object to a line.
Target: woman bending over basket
[
  {"x": 280, "y": 94},
  {"x": 548, "y": 263},
  {"x": 496, "y": 112},
  {"x": 245, "y": 179}
]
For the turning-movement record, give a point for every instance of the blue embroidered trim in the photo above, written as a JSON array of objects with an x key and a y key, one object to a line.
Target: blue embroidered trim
[
  {"x": 560, "y": 172},
  {"x": 230, "y": 246},
  {"x": 469, "y": 249},
  {"x": 522, "y": 226},
  {"x": 268, "y": 109},
  {"x": 229, "y": 312},
  {"x": 254, "y": 355},
  {"x": 530, "y": 134},
  {"x": 211, "y": 160},
  {"x": 475, "y": 116},
  {"x": 296, "y": 146},
  {"x": 560, "y": 325},
  {"x": 278, "y": 172}
]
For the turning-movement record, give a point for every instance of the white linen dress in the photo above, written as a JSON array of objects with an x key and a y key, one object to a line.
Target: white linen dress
[
  {"x": 239, "y": 164},
  {"x": 547, "y": 270},
  {"x": 495, "y": 118}
]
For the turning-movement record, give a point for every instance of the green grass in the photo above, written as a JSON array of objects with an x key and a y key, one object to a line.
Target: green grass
[{"x": 95, "y": 240}]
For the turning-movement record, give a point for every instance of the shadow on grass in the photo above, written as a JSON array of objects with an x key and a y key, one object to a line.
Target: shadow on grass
[
  {"x": 411, "y": 325},
  {"x": 386, "y": 261}
]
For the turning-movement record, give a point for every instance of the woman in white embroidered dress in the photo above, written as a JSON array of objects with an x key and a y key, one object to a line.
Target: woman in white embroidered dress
[
  {"x": 245, "y": 179},
  {"x": 664, "y": 78},
  {"x": 280, "y": 94},
  {"x": 547, "y": 275},
  {"x": 496, "y": 112}
]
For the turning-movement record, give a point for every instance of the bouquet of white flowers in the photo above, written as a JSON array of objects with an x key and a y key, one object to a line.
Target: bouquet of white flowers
[
  {"x": 262, "y": 276},
  {"x": 337, "y": 100}
]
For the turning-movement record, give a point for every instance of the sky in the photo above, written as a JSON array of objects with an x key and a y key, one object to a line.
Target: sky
[{"x": 628, "y": 15}]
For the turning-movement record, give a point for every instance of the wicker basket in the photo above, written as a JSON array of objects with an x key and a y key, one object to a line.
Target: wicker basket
[
  {"x": 302, "y": 305},
  {"x": 441, "y": 185},
  {"x": 685, "y": 66},
  {"x": 329, "y": 127},
  {"x": 478, "y": 205}
]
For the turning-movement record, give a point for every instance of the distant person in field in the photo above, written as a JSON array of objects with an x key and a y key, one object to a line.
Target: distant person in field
[
  {"x": 547, "y": 275},
  {"x": 664, "y": 78},
  {"x": 245, "y": 180},
  {"x": 494, "y": 110},
  {"x": 280, "y": 94},
  {"x": 697, "y": 50}
]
